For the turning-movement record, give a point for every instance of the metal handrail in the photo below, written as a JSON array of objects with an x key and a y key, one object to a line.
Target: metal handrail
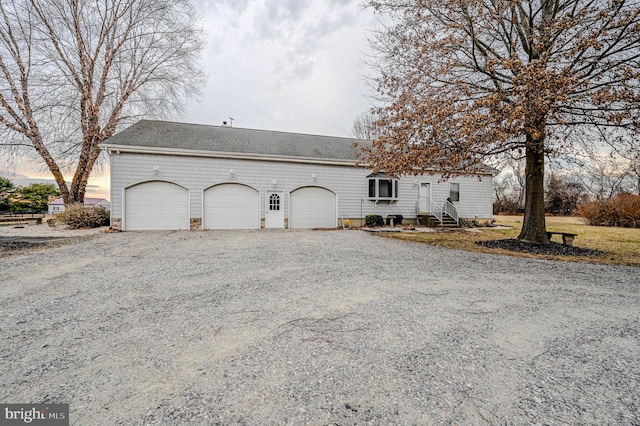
[
  {"x": 436, "y": 211},
  {"x": 451, "y": 211}
]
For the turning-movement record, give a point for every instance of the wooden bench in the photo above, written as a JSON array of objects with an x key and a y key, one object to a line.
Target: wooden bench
[{"x": 567, "y": 237}]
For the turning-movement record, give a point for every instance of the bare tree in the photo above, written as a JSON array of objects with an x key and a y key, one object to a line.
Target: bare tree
[
  {"x": 605, "y": 175},
  {"x": 563, "y": 193},
  {"x": 517, "y": 166},
  {"x": 509, "y": 185},
  {"x": 462, "y": 80},
  {"x": 505, "y": 198},
  {"x": 72, "y": 71},
  {"x": 635, "y": 172},
  {"x": 364, "y": 127}
]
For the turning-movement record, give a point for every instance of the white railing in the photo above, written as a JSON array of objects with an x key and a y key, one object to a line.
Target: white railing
[
  {"x": 451, "y": 211},
  {"x": 436, "y": 211}
]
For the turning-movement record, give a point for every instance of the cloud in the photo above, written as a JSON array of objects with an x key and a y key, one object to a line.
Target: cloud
[
  {"x": 280, "y": 15},
  {"x": 286, "y": 65},
  {"x": 279, "y": 115},
  {"x": 213, "y": 6},
  {"x": 290, "y": 32}
]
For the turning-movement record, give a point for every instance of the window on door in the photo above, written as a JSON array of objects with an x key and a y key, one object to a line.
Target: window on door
[{"x": 274, "y": 202}]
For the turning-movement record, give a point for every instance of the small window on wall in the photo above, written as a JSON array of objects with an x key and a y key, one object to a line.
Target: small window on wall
[
  {"x": 454, "y": 191},
  {"x": 382, "y": 187}
]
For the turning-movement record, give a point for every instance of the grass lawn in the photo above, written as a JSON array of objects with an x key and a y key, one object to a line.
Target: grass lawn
[{"x": 621, "y": 245}]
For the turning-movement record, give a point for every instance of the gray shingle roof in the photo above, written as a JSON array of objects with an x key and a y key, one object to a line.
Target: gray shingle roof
[{"x": 225, "y": 139}]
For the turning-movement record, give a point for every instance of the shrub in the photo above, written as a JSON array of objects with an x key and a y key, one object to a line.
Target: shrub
[
  {"x": 562, "y": 197},
  {"x": 506, "y": 206},
  {"x": 397, "y": 219},
  {"x": 475, "y": 223},
  {"x": 33, "y": 198},
  {"x": 372, "y": 220},
  {"x": 77, "y": 216},
  {"x": 622, "y": 210},
  {"x": 468, "y": 223}
]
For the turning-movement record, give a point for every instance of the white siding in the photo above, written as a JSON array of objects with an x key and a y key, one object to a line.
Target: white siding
[
  {"x": 348, "y": 182},
  {"x": 476, "y": 196}
]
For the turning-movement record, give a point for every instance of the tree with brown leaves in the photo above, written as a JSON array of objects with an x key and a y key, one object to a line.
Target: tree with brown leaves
[
  {"x": 72, "y": 71},
  {"x": 460, "y": 81}
]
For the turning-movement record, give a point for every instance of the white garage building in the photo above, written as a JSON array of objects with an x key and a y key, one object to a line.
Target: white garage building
[{"x": 168, "y": 175}]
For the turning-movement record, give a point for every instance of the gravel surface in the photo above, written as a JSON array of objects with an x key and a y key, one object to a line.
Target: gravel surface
[{"x": 306, "y": 327}]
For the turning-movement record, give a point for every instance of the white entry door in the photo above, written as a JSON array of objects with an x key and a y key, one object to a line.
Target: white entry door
[
  {"x": 274, "y": 210},
  {"x": 424, "y": 197}
]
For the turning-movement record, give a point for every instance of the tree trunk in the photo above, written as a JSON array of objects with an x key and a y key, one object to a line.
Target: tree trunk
[
  {"x": 57, "y": 174},
  {"x": 41, "y": 149},
  {"x": 534, "y": 226},
  {"x": 84, "y": 168}
]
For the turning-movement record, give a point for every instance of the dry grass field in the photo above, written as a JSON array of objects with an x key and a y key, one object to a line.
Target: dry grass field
[{"x": 621, "y": 245}]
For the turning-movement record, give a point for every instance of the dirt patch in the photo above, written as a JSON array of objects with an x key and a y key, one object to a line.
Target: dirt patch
[
  {"x": 22, "y": 239},
  {"x": 45, "y": 230},
  {"x": 551, "y": 249},
  {"x": 17, "y": 245},
  {"x": 11, "y": 245}
]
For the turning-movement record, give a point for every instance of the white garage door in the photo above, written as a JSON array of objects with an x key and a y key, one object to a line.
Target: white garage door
[
  {"x": 313, "y": 207},
  {"x": 156, "y": 205},
  {"x": 231, "y": 206}
]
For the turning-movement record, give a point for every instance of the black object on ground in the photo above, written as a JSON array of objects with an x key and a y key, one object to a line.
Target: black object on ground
[{"x": 555, "y": 249}]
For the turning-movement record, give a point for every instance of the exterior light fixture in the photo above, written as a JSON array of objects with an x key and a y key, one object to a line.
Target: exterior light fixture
[
  {"x": 275, "y": 182},
  {"x": 314, "y": 176},
  {"x": 156, "y": 169},
  {"x": 232, "y": 171}
]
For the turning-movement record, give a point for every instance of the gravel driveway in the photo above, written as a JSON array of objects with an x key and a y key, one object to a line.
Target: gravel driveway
[{"x": 313, "y": 327}]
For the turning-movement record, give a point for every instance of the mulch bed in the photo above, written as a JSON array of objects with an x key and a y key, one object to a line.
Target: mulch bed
[{"x": 554, "y": 249}]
